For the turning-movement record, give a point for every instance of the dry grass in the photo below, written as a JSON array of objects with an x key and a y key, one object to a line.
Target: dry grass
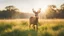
[{"x": 19, "y": 27}]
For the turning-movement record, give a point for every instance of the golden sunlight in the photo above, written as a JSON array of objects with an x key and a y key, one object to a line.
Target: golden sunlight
[{"x": 38, "y": 4}]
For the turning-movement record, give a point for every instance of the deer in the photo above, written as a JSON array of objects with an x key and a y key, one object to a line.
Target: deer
[{"x": 34, "y": 20}]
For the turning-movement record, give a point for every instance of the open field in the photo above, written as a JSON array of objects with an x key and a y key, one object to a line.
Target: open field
[{"x": 19, "y": 27}]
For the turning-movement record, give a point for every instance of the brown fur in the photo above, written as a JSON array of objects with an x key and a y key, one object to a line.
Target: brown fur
[{"x": 34, "y": 20}]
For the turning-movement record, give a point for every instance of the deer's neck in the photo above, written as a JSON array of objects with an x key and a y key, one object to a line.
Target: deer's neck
[{"x": 36, "y": 17}]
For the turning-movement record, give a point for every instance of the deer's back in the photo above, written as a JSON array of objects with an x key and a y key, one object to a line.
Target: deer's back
[{"x": 33, "y": 20}]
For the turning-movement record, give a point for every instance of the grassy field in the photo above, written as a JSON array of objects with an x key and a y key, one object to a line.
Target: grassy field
[{"x": 19, "y": 27}]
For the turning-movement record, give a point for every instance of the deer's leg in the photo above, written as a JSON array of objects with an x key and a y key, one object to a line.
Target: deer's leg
[
  {"x": 29, "y": 26},
  {"x": 37, "y": 27},
  {"x": 33, "y": 26}
]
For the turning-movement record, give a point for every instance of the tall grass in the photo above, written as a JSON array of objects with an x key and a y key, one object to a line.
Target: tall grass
[
  {"x": 61, "y": 33},
  {"x": 4, "y": 26},
  {"x": 45, "y": 28}
]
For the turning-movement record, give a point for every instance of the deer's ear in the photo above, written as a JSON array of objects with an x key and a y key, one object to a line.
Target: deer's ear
[
  {"x": 33, "y": 10},
  {"x": 39, "y": 10}
]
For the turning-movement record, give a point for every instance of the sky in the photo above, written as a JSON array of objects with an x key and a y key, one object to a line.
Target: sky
[{"x": 27, "y": 5}]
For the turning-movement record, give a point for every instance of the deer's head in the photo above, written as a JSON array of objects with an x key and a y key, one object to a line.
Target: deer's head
[{"x": 36, "y": 12}]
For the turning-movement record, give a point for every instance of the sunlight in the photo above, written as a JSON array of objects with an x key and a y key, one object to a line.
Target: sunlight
[
  {"x": 41, "y": 5},
  {"x": 36, "y": 9},
  {"x": 42, "y": 9},
  {"x": 28, "y": 8},
  {"x": 25, "y": 10},
  {"x": 27, "y": 5}
]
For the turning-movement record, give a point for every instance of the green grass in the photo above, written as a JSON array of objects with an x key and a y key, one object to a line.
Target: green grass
[
  {"x": 61, "y": 33},
  {"x": 57, "y": 27},
  {"x": 21, "y": 28},
  {"x": 5, "y": 26}
]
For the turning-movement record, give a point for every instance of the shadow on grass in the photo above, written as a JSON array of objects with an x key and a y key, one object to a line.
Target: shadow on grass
[
  {"x": 24, "y": 23},
  {"x": 4, "y": 26},
  {"x": 57, "y": 27},
  {"x": 61, "y": 33},
  {"x": 46, "y": 34},
  {"x": 18, "y": 32}
]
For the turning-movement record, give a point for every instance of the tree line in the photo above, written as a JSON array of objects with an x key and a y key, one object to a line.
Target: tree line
[
  {"x": 53, "y": 12},
  {"x": 11, "y": 12}
]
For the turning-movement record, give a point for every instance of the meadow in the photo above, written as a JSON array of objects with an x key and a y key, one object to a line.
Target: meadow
[{"x": 20, "y": 27}]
